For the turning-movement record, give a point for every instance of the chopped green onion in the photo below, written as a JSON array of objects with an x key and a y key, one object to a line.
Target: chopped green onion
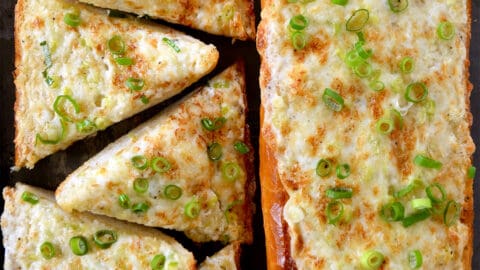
[
  {"x": 361, "y": 36},
  {"x": 446, "y": 30},
  {"x": 427, "y": 162},
  {"x": 398, "y": 5},
  {"x": 385, "y": 125},
  {"x": 214, "y": 125},
  {"x": 59, "y": 107},
  {"x": 451, "y": 213},
  {"x": 158, "y": 262},
  {"x": 229, "y": 207},
  {"x": 140, "y": 185},
  {"x": 192, "y": 209},
  {"x": 324, "y": 167},
  {"x": 358, "y": 20},
  {"x": 416, "y": 92},
  {"x": 332, "y": 100},
  {"x": 376, "y": 85},
  {"x": 124, "y": 61},
  {"x": 124, "y": 201},
  {"x": 421, "y": 203},
  {"x": 231, "y": 171},
  {"x": 415, "y": 259},
  {"x": 372, "y": 260},
  {"x": 56, "y": 140},
  {"x": 340, "y": 2},
  {"x": 161, "y": 164},
  {"x": 72, "y": 19},
  {"x": 416, "y": 217},
  {"x": 334, "y": 211},
  {"x": 298, "y": 40},
  {"x": 298, "y": 22},
  {"x": 221, "y": 84},
  {"x": 135, "y": 84},
  {"x": 430, "y": 190},
  {"x": 48, "y": 80},
  {"x": 86, "y": 126},
  {"x": 144, "y": 99},
  {"x": 339, "y": 193},
  {"x": 214, "y": 151},
  {"x": 47, "y": 250},
  {"x": 409, "y": 188},
  {"x": 392, "y": 211},
  {"x": 363, "y": 69},
  {"x": 116, "y": 45},
  {"x": 140, "y": 162},
  {"x": 365, "y": 54},
  {"x": 172, "y": 192},
  {"x": 353, "y": 59},
  {"x": 46, "y": 53},
  {"x": 78, "y": 245},
  {"x": 343, "y": 171},
  {"x": 241, "y": 147},
  {"x": 29, "y": 197},
  {"x": 171, "y": 43},
  {"x": 104, "y": 238},
  {"x": 140, "y": 207},
  {"x": 471, "y": 172},
  {"x": 407, "y": 64}
]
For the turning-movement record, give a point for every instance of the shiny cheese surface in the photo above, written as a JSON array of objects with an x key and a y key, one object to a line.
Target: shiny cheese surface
[
  {"x": 25, "y": 227},
  {"x": 84, "y": 68},
  {"x": 233, "y": 18},
  {"x": 301, "y": 130},
  {"x": 178, "y": 136}
]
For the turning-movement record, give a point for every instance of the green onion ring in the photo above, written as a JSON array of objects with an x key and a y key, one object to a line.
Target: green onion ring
[
  {"x": 135, "y": 84},
  {"x": 363, "y": 70},
  {"x": 340, "y": 2},
  {"x": 298, "y": 40},
  {"x": 172, "y": 192},
  {"x": 334, "y": 211},
  {"x": 430, "y": 193},
  {"x": 192, "y": 209},
  {"x": 47, "y": 250},
  {"x": 385, "y": 125},
  {"x": 78, "y": 245},
  {"x": 471, "y": 172},
  {"x": 421, "y": 203},
  {"x": 416, "y": 92},
  {"x": 72, "y": 19},
  {"x": 60, "y": 111},
  {"x": 124, "y": 61},
  {"x": 60, "y": 136},
  {"x": 241, "y": 147},
  {"x": 339, "y": 193},
  {"x": 365, "y": 54},
  {"x": 332, "y": 100},
  {"x": 298, "y": 22},
  {"x": 449, "y": 217},
  {"x": 86, "y": 126},
  {"x": 116, "y": 45},
  {"x": 416, "y": 217},
  {"x": 398, "y": 5},
  {"x": 353, "y": 59},
  {"x": 427, "y": 162},
  {"x": 172, "y": 44},
  {"x": 29, "y": 197},
  {"x": 160, "y": 164},
  {"x": 140, "y": 207},
  {"x": 214, "y": 151},
  {"x": 231, "y": 171},
  {"x": 324, "y": 168},
  {"x": 358, "y": 20},
  {"x": 407, "y": 64},
  {"x": 343, "y": 171},
  {"x": 376, "y": 86},
  {"x": 372, "y": 260},
  {"x": 140, "y": 185},
  {"x": 158, "y": 262},
  {"x": 105, "y": 238},
  {"x": 415, "y": 259},
  {"x": 392, "y": 211},
  {"x": 140, "y": 162},
  {"x": 446, "y": 30}
]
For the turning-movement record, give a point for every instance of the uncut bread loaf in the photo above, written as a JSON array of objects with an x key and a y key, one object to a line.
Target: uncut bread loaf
[
  {"x": 365, "y": 147},
  {"x": 79, "y": 71},
  {"x": 27, "y": 224},
  {"x": 190, "y": 168}
]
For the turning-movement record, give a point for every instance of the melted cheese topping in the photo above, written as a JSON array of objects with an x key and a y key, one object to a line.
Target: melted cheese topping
[
  {"x": 178, "y": 136},
  {"x": 83, "y": 67},
  {"x": 233, "y": 18},
  {"x": 302, "y": 130},
  {"x": 25, "y": 227}
]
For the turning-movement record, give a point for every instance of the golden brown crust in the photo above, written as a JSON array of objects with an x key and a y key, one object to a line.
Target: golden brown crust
[{"x": 18, "y": 18}]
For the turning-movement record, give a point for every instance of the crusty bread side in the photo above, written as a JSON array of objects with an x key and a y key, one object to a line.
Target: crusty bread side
[
  {"x": 26, "y": 226},
  {"x": 177, "y": 134},
  {"x": 282, "y": 238},
  {"x": 234, "y": 18},
  {"x": 83, "y": 68},
  {"x": 227, "y": 258}
]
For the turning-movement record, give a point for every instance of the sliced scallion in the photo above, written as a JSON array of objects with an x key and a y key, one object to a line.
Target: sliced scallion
[
  {"x": 372, "y": 260},
  {"x": 340, "y": 2},
  {"x": 392, "y": 211},
  {"x": 29, "y": 197},
  {"x": 86, "y": 126},
  {"x": 415, "y": 259},
  {"x": 421, "y": 203},
  {"x": 241, "y": 147},
  {"x": 116, "y": 45},
  {"x": 334, "y": 211},
  {"x": 78, "y": 245},
  {"x": 451, "y": 213},
  {"x": 358, "y": 20},
  {"x": 365, "y": 54},
  {"x": 298, "y": 40},
  {"x": 415, "y": 218},
  {"x": 214, "y": 151},
  {"x": 231, "y": 171},
  {"x": 407, "y": 64},
  {"x": 339, "y": 193},
  {"x": 332, "y": 100},
  {"x": 363, "y": 69},
  {"x": 471, "y": 172},
  {"x": 214, "y": 125},
  {"x": 172, "y": 192},
  {"x": 47, "y": 250},
  {"x": 172, "y": 44},
  {"x": 140, "y": 185},
  {"x": 424, "y": 161},
  {"x": 124, "y": 61},
  {"x": 140, "y": 162},
  {"x": 158, "y": 262},
  {"x": 298, "y": 22},
  {"x": 324, "y": 167},
  {"x": 59, "y": 107},
  {"x": 353, "y": 59},
  {"x": 376, "y": 85},
  {"x": 446, "y": 30},
  {"x": 135, "y": 84},
  {"x": 57, "y": 139},
  {"x": 434, "y": 189},
  {"x": 140, "y": 207},
  {"x": 409, "y": 188},
  {"x": 72, "y": 19},
  {"x": 124, "y": 201},
  {"x": 343, "y": 171},
  {"x": 105, "y": 238},
  {"x": 192, "y": 209},
  {"x": 398, "y": 5},
  {"x": 144, "y": 99},
  {"x": 161, "y": 164},
  {"x": 416, "y": 92}
]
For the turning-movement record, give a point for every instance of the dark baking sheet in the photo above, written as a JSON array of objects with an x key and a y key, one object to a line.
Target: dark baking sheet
[{"x": 49, "y": 172}]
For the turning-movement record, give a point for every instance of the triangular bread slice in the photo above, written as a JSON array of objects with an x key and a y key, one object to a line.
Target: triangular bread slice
[
  {"x": 212, "y": 195},
  {"x": 232, "y": 18},
  {"x": 26, "y": 227},
  {"x": 226, "y": 258},
  {"x": 111, "y": 68}
]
